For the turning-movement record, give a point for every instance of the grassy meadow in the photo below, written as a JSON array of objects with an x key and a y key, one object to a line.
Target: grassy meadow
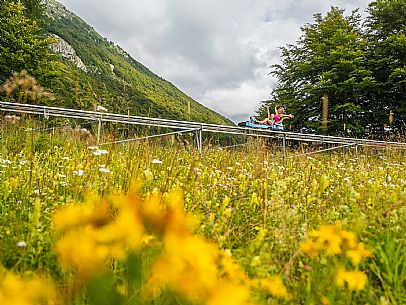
[{"x": 157, "y": 223}]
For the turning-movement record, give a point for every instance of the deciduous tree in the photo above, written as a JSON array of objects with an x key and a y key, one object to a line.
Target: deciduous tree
[
  {"x": 328, "y": 59},
  {"x": 386, "y": 30}
]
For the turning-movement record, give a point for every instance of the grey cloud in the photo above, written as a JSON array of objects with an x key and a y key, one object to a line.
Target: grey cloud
[
  {"x": 303, "y": 11},
  {"x": 217, "y": 51}
]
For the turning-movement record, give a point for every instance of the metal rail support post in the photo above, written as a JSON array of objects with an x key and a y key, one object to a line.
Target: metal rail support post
[
  {"x": 201, "y": 139},
  {"x": 198, "y": 137},
  {"x": 99, "y": 129},
  {"x": 284, "y": 145}
]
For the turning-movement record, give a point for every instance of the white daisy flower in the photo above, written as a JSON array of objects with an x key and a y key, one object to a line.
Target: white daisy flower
[
  {"x": 100, "y": 152},
  {"x": 22, "y": 244},
  {"x": 79, "y": 172}
]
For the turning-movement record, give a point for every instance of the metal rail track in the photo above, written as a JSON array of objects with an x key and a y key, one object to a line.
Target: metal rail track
[{"x": 185, "y": 125}]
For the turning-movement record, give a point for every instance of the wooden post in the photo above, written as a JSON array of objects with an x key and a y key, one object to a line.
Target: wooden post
[
  {"x": 324, "y": 114},
  {"x": 390, "y": 118}
]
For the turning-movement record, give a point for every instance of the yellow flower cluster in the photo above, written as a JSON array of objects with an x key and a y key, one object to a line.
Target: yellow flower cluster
[
  {"x": 188, "y": 265},
  {"x": 274, "y": 286},
  {"x": 358, "y": 253},
  {"x": 96, "y": 231},
  {"x": 333, "y": 240},
  {"x": 355, "y": 280},
  {"x": 32, "y": 291},
  {"x": 196, "y": 268}
]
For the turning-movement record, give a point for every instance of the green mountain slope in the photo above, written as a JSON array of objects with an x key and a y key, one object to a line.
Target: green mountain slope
[{"x": 93, "y": 71}]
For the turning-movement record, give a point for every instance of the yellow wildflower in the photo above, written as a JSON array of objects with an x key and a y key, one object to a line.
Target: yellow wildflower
[
  {"x": 310, "y": 248},
  {"x": 349, "y": 239},
  {"x": 78, "y": 249},
  {"x": 127, "y": 229},
  {"x": 228, "y": 268},
  {"x": 256, "y": 260},
  {"x": 97, "y": 234},
  {"x": 177, "y": 221},
  {"x": 146, "y": 239},
  {"x": 358, "y": 254},
  {"x": 153, "y": 214},
  {"x": 94, "y": 211},
  {"x": 228, "y": 293},
  {"x": 328, "y": 237},
  {"x": 274, "y": 285},
  {"x": 188, "y": 266},
  {"x": 355, "y": 280},
  {"x": 17, "y": 291}
]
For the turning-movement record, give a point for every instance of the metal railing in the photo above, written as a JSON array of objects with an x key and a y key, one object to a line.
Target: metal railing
[{"x": 188, "y": 126}]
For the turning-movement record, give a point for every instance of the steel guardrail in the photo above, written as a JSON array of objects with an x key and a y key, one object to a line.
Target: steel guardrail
[{"x": 185, "y": 125}]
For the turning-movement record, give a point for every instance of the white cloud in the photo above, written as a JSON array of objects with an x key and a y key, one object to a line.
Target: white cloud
[{"x": 216, "y": 51}]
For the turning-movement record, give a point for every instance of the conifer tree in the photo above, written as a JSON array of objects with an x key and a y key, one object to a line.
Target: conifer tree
[{"x": 22, "y": 43}]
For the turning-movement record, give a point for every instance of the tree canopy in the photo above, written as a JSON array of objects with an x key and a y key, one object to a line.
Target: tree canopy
[
  {"x": 22, "y": 43},
  {"x": 359, "y": 67},
  {"x": 385, "y": 35}
]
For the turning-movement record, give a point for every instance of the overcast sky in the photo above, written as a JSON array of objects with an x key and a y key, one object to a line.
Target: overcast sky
[{"x": 216, "y": 51}]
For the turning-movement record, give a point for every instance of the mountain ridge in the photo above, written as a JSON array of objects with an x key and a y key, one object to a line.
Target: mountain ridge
[{"x": 111, "y": 77}]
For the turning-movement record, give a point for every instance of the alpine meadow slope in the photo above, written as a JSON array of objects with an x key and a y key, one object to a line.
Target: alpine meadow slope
[{"x": 91, "y": 71}]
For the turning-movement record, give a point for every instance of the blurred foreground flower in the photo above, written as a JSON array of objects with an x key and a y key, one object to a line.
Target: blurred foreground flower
[
  {"x": 358, "y": 253},
  {"x": 94, "y": 232},
  {"x": 355, "y": 280},
  {"x": 274, "y": 286},
  {"x": 189, "y": 265},
  {"x": 15, "y": 290},
  {"x": 111, "y": 228}
]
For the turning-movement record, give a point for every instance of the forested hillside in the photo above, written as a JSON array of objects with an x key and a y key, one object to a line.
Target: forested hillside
[{"x": 86, "y": 70}]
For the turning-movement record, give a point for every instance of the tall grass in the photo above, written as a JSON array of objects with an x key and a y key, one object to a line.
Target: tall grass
[{"x": 251, "y": 203}]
